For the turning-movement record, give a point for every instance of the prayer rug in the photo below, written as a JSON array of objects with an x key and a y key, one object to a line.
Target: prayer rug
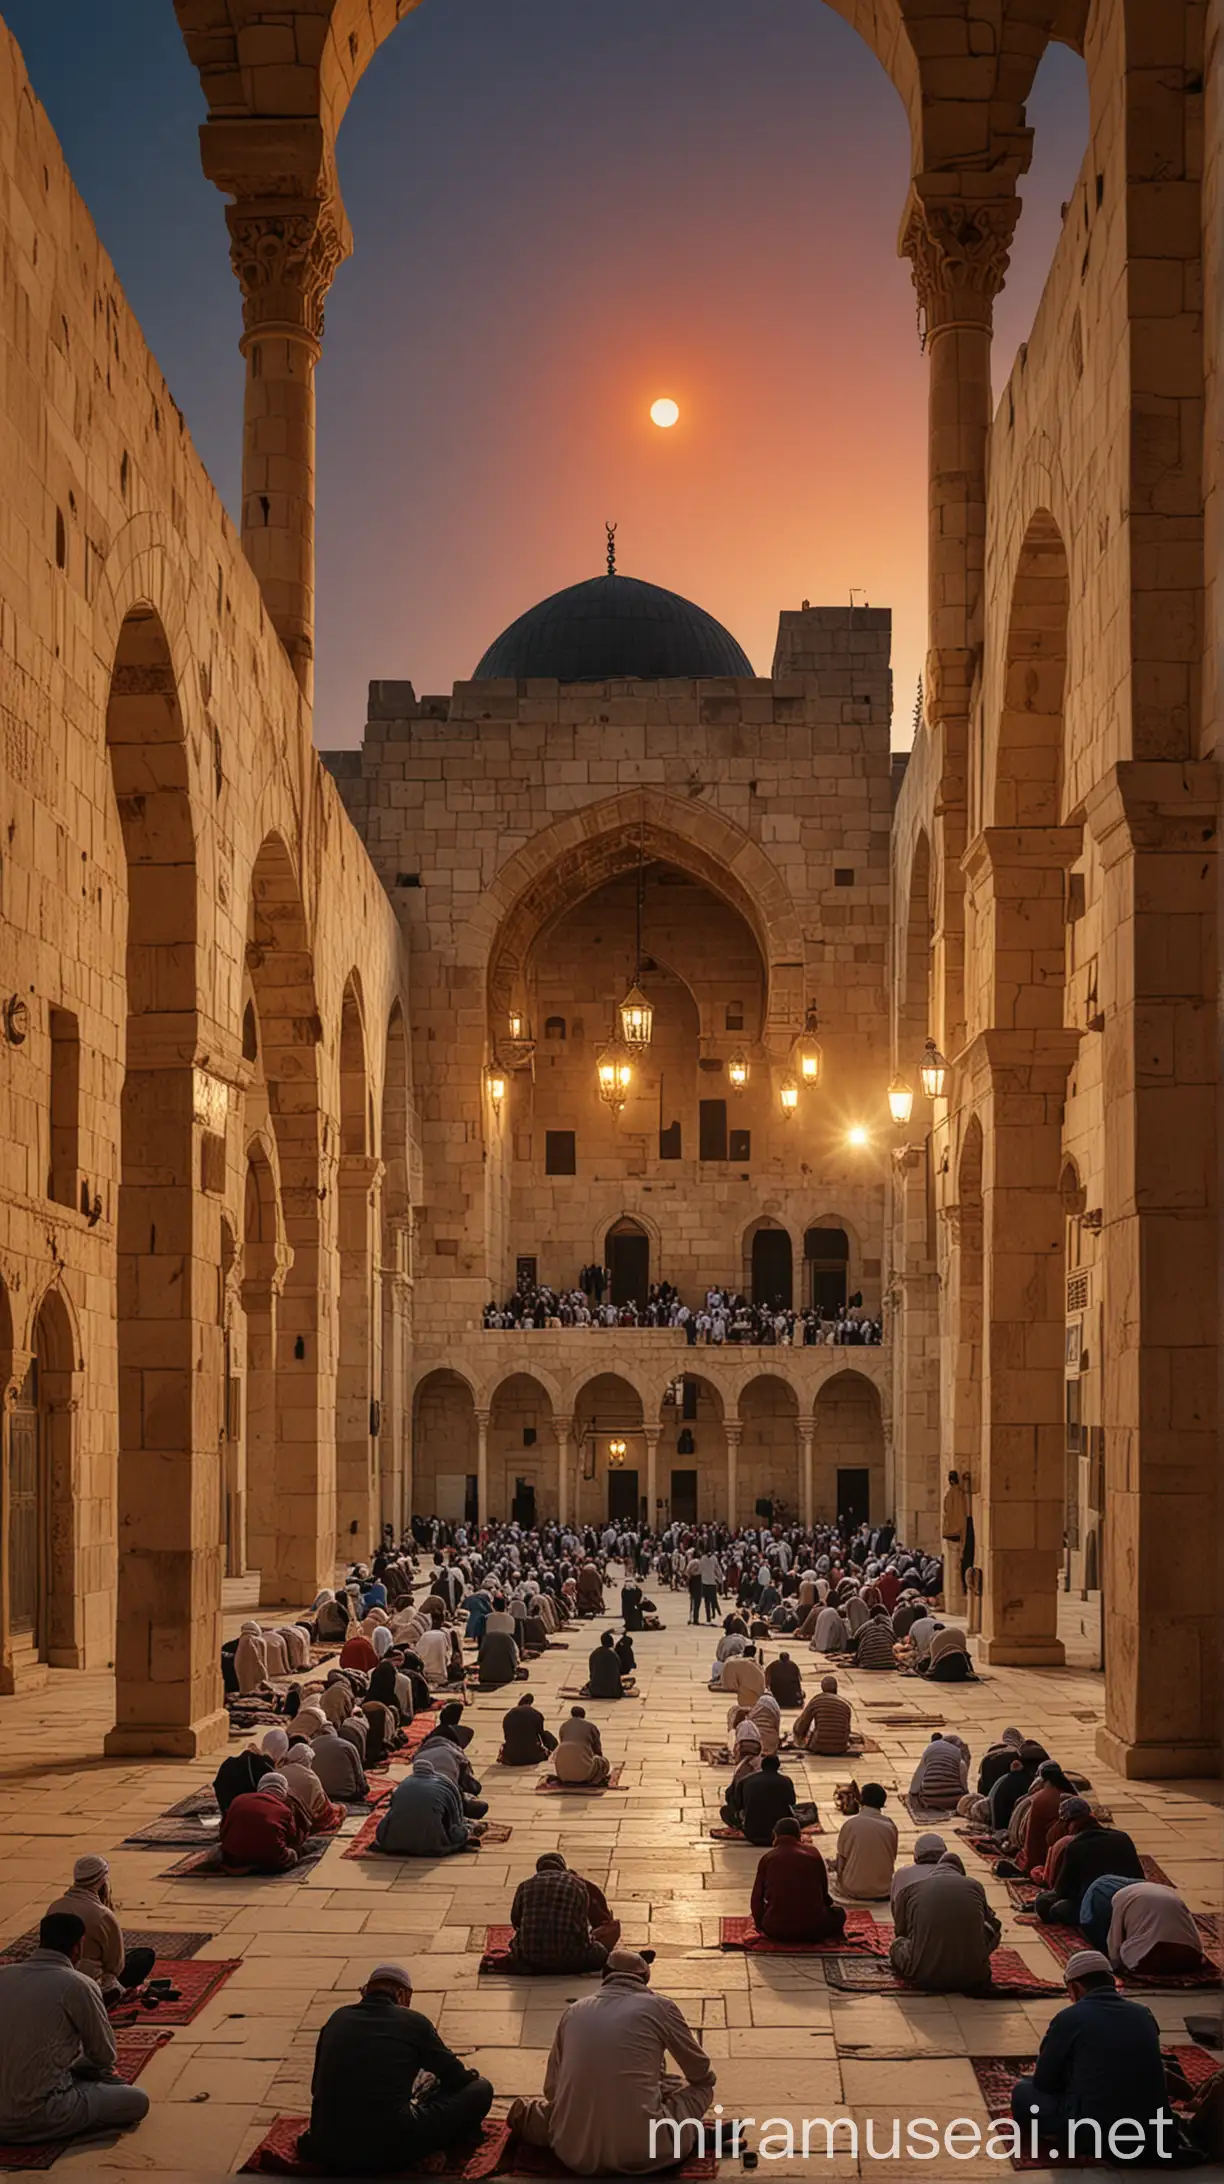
[
  {"x": 363, "y": 1844},
  {"x": 1063, "y": 1941},
  {"x": 736, "y": 1835},
  {"x": 997, "y": 2074},
  {"x": 862, "y": 1931},
  {"x": 989, "y": 1847},
  {"x": 538, "y": 2161},
  {"x": 495, "y": 1956},
  {"x": 277, "y": 2154},
  {"x": 549, "y": 1784},
  {"x": 585, "y": 1694},
  {"x": 169, "y": 1829},
  {"x": 196, "y": 1806},
  {"x": 715, "y": 1755},
  {"x": 1024, "y": 1893},
  {"x": 208, "y": 1865},
  {"x": 176, "y": 1946},
  {"x": 928, "y": 1816},
  {"x": 132, "y": 2052},
  {"x": 197, "y": 1980},
  {"x": 868, "y": 1975}
]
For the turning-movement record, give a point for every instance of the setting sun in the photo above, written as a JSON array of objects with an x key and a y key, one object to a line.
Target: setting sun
[{"x": 665, "y": 412}]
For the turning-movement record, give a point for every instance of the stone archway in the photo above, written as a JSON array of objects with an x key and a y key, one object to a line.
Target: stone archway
[
  {"x": 608, "y": 1409},
  {"x": 448, "y": 1441},
  {"x": 768, "y": 1453},
  {"x": 522, "y": 1451}
]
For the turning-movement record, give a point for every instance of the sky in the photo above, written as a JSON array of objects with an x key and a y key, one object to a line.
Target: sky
[{"x": 561, "y": 212}]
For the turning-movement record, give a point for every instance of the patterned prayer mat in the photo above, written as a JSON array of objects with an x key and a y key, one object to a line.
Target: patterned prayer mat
[
  {"x": 1025, "y": 1893},
  {"x": 363, "y": 1845},
  {"x": 196, "y": 1806},
  {"x": 928, "y": 1816},
  {"x": 197, "y": 1979},
  {"x": 496, "y": 2153},
  {"x": 1063, "y": 1941},
  {"x": 736, "y": 1835},
  {"x": 169, "y": 1828},
  {"x": 862, "y": 1931},
  {"x": 133, "y": 2050},
  {"x": 163, "y": 1944},
  {"x": 997, "y": 2074},
  {"x": 549, "y": 1784},
  {"x": 869, "y": 1975},
  {"x": 495, "y": 1956},
  {"x": 207, "y": 1865}
]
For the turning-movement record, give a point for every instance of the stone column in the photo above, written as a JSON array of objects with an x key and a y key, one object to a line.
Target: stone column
[
  {"x": 563, "y": 1429},
  {"x": 1156, "y": 828},
  {"x": 394, "y": 1445},
  {"x": 652, "y": 1487},
  {"x": 807, "y": 1435},
  {"x": 913, "y": 1338},
  {"x": 17, "y": 1365},
  {"x": 735, "y": 1433},
  {"x": 958, "y": 247},
  {"x": 264, "y": 1269},
  {"x": 358, "y": 1176},
  {"x": 482, "y": 1466}
]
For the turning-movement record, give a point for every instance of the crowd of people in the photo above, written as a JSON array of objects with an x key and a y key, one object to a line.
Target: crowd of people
[
  {"x": 725, "y": 1316},
  {"x": 610, "y": 2099}
]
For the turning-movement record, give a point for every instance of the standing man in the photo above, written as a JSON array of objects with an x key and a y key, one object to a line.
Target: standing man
[
  {"x": 711, "y": 1578},
  {"x": 952, "y": 1528}
]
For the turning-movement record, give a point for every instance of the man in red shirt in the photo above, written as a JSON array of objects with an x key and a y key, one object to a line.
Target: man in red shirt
[
  {"x": 263, "y": 1830},
  {"x": 790, "y": 1895}
]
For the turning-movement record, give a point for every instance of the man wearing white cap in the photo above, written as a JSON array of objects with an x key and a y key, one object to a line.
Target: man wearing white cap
[
  {"x": 1099, "y": 2086},
  {"x": 605, "y": 2085},
  {"x": 363, "y": 2118},
  {"x": 103, "y": 1956}
]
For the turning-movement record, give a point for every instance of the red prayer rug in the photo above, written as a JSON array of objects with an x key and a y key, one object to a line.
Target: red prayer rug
[
  {"x": 132, "y": 2052},
  {"x": 869, "y": 1975},
  {"x": 549, "y": 1784},
  {"x": 363, "y": 1844},
  {"x": 997, "y": 2075},
  {"x": 862, "y": 1931},
  {"x": 197, "y": 1979},
  {"x": 1063, "y": 1941},
  {"x": 496, "y": 2153},
  {"x": 495, "y": 1956},
  {"x": 208, "y": 1865},
  {"x": 1024, "y": 1893}
]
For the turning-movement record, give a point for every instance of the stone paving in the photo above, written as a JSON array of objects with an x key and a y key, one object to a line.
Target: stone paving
[{"x": 783, "y": 2043}]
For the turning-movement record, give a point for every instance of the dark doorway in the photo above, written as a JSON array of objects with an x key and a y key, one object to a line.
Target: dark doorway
[
  {"x": 525, "y": 1272},
  {"x": 622, "y": 1497},
  {"x": 826, "y": 1255},
  {"x": 523, "y": 1506},
  {"x": 772, "y": 1277},
  {"x": 26, "y": 1527},
  {"x": 684, "y": 1496},
  {"x": 629, "y": 1265},
  {"x": 853, "y": 1497},
  {"x": 471, "y": 1500}
]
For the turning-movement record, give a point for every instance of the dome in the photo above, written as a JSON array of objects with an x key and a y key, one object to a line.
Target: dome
[{"x": 613, "y": 626}]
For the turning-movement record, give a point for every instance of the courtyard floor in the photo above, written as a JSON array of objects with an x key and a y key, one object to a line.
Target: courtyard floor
[{"x": 783, "y": 2043}]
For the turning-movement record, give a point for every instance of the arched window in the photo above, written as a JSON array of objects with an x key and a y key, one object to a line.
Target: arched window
[
  {"x": 554, "y": 1027},
  {"x": 627, "y": 1252},
  {"x": 826, "y": 1259},
  {"x": 772, "y": 1268}
]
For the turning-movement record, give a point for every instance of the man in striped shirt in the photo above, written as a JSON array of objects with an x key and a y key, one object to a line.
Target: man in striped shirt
[
  {"x": 825, "y": 1723},
  {"x": 874, "y": 1645}
]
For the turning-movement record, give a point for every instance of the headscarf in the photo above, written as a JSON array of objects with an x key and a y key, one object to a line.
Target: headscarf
[
  {"x": 382, "y": 1640},
  {"x": 383, "y": 1685},
  {"x": 251, "y": 1630},
  {"x": 275, "y": 1744},
  {"x": 310, "y": 1722},
  {"x": 276, "y": 1783}
]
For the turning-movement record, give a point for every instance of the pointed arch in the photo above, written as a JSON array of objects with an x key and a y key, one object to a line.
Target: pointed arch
[{"x": 1027, "y": 789}]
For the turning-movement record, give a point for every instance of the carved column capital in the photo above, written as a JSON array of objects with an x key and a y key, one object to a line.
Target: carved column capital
[
  {"x": 959, "y": 249},
  {"x": 285, "y": 253},
  {"x": 19, "y": 1363}
]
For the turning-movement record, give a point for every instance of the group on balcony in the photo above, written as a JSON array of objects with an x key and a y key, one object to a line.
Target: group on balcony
[{"x": 722, "y": 1317}]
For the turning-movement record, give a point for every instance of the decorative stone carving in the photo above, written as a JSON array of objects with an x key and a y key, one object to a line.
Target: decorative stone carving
[
  {"x": 959, "y": 250},
  {"x": 285, "y": 256}
]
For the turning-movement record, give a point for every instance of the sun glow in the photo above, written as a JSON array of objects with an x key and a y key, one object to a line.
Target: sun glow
[{"x": 665, "y": 412}]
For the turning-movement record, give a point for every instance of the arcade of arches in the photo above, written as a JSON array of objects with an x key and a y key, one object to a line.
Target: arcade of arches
[{"x": 274, "y": 1144}]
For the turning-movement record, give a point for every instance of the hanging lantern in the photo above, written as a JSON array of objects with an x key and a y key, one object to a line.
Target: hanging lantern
[
  {"x": 933, "y": 1069},
  {"x": 737, "y": 1070},
  {"x": 807, "y": 1051},
  {"x": 900, "y": 1101},
  {"x": 636, "y": 1018},
  {"x": 495, "y": 1078},
  {"x": 617, "y": 1452},
  {"x": 788, "y": 1093},
  {"x": 517, "y": 1024},
  {"x": 614, "y": 1065}
]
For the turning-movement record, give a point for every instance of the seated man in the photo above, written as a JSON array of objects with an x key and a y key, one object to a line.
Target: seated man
[
  {"x": 828, "y": 1632},
  {"x": 605, "y": 2086},
  {"x": 790, "y": 1895},
  {"x": 263, "y": 1831},
  {"x": 825, "y": 1723},
  {"x": 57, "y": 2050},
  {"x": 307, "y": 1790},
  {"x": 561, "y": 1921},
  {"x": 945, "y": 1932},
  {"x": 336, "y": 1762},
  {"x": 604, "y": 1679},
  {"x": 364, "y": 2120},
  {"x": 579, "y": 1753},
  {"x": 742, "y": 1677},
  {"x": 941, "y": 1778},
  {"x": 454, "y": 1767},
  {"x": 424, "y": 1818},
  {"x": 1092, "y": 1850},
  {"x": 525, "y": 1740},
  {"x": 873, "y": 1648},
  {"x": 784, "y": 1682},
  {"x": 928, "y": 1850},
  {"x": 761, "y": 1799},
  {"x": 497, "y": 1661},
  {"x": 948, "y": 1659},
  {"x": 867, "y": 1848},
  {"x": 1099, "y": 2064},
  {"x": 103, "y": 1957}
]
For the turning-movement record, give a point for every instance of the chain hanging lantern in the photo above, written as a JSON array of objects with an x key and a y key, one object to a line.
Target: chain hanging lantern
[
  {"x": 807, "y": 1052},
  {"x": 614, "y": 1067},
  {"x": 737, "y": 1070},
  {"x": 933, "y": 1070}
]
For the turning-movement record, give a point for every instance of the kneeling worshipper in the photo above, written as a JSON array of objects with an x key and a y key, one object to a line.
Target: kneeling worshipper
[
  {"x": 561, "y": 1921},
  {"x": 264, "y": 1830},
  {"x": 364, "y": 2120},
  {"x": 824, "y": 1725},
  {"x": 103, "y": 1958},
  {"x": 497, "y": 1661},
  {"x": 873, "y": 1648},
  {"x": 756, "y": 1803},
  {"x": 945, "y": 1932},
  {"x": 298, "y": 1768},
  {"x": 941, "y": 1778},
  {"x": 784, "y": 1682},
  {"x": 453, "y": 1766},
  {"x": 336, "y": 1761},
  {"x": 1099, "y": 2065},
  {"x": 828, "y": 1633},
  {"x": 1040, "y": 1813},
  {"x": 240, "y": 1772},
  {"x": 605, "y": 2085},
  {"x": 1088, "y": 1851},
  {"x": 947, "y": 1660},
  {"x": 742, "y": 1676},
  {"x": 525, "y": 1740},
  {"x": 251, "y": 1660},
  {"x": 604, "y": 1679},
  {"x": 997, "y": 1758},
  {"x": 1151, "y": 1931},
  {"x": 332, "y": 1618},
  {"x": 928, "y": 1850},
  {"x": 632, "y": 1609},
  {"x": 436, "y": 1649},
  {"x": 765, "y": 1714},
  {"x": 867, "y": 1848},
  {"x": 790, "y": 1895},
  {"x": 358, "y": 1652},
  {"x": 424, "y": 1818},
  {"x": 590, "y": 1590},
  {"x": 57, "y": 2050},
  {"x": 579, "y": 1755}
]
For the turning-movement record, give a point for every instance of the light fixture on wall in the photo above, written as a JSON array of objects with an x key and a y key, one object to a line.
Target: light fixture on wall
[
  {"x": 635, "y": 1012},
  {"x": 614, "y": 1069},
  {"x": 807, "y": 1052},
  {"x": 495, "y": 1078},
  {"x": 788, "y": 1093},
  {"x": 933, "y": 1070},
  {"x": 617, "y": 1452},
  {"x": 900, "y": 1101},
  {"x": 737, "y": 1070},
  {"x": 517, "y": 1049}
]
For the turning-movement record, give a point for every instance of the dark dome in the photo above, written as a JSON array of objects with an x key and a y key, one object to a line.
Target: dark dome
[{"x": 613, "y": 626}]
